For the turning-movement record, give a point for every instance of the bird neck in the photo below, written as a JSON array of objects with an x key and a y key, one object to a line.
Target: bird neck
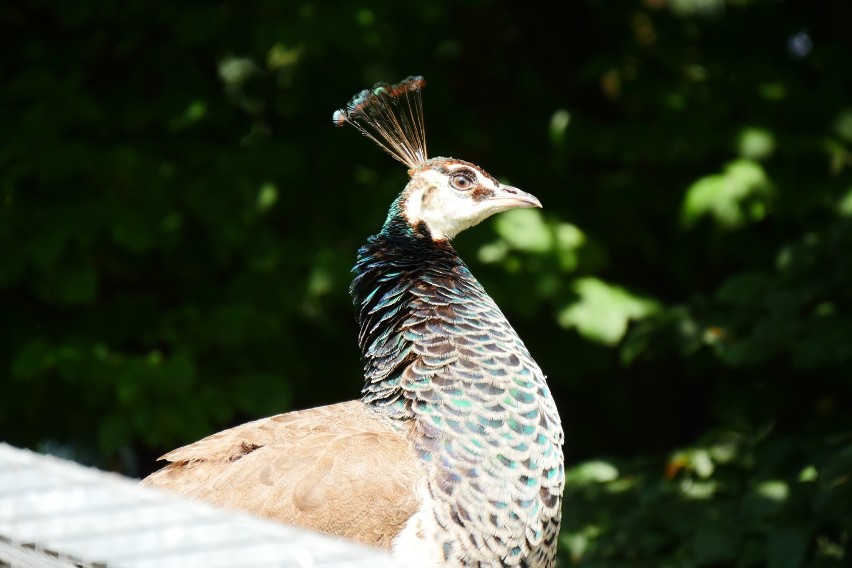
[
  {"x": 440, "y": 354},
  {"x": 389, "y": 267}
]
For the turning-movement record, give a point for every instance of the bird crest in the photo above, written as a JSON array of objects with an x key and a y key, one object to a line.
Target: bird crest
[{"x": 392, "y": 117}]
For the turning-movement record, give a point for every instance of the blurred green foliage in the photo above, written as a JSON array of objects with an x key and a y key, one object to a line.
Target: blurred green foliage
[{"x": 178, "y": 219}]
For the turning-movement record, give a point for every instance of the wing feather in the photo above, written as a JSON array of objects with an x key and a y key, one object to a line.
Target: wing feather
[{"x": 342, "y": 469}]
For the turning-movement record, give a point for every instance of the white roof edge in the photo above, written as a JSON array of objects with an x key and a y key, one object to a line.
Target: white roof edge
[{"x": 58, "y": 513}]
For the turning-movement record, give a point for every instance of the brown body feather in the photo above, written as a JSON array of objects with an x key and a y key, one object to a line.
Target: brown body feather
[{"x": 342, "y": 469}]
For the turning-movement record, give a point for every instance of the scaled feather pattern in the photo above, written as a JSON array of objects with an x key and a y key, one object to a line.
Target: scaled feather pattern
[{"x": 437, "y": 348}]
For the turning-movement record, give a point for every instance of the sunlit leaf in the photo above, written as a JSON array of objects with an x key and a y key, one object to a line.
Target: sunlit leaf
[
  {"x": 701, "y": 463},
  {"x": 698, "y": 490},
  {"x": 236, "y": 70},
  {"x": 733, "y": 198},
  {"x": 267, "y": 196},
  {"x": 320, "y": 281},
  {"x": 569, "y": 240},
  {"x": 808, "y": 474},
  {"x": 843, "y": 125},
  {"x": 578, "y": 542},
  {"x": 696, "y": 7},
  {"x": 524, "y": 230},
  {"x": 280, "y": 56},
  {"x": 195, "y": 112},
  {"x": 756, "y": 143},
  {"x": 558, "y": 125},
  {"x": 844, "y": 206},
  {"x": 602, "y": 311},
  {"x": 591, "y": 472},
  {"x": 493, "y": 252}
]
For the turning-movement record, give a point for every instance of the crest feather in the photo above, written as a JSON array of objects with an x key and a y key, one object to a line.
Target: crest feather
[{"x": 392, "y": 117}]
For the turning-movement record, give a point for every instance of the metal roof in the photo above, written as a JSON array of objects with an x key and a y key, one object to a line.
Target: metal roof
[{"x": 58, "y": 513}]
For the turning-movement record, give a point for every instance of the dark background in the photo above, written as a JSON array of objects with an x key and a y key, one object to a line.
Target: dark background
[{"x": 178, "y": 218}]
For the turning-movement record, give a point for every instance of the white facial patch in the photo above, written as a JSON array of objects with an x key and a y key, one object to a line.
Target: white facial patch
[{"x": 446, "y": 211}]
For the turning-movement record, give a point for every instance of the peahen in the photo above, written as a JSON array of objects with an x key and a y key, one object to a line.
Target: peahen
[{"x": 453, "y": 454}]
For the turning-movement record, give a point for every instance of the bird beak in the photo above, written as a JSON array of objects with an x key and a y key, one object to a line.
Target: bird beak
[{"x": 510, "y": 197}]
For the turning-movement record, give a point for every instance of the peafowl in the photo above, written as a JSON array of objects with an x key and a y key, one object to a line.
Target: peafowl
[{"x": 453, "y": 454}]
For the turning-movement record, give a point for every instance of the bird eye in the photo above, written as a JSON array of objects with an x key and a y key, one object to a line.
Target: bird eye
[{"x": 462, "y": 182}]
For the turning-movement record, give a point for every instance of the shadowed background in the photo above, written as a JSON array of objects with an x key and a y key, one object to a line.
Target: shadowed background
[{"x": 178, "y": 218}]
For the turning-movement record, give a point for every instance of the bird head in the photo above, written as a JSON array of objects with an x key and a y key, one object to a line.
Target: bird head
[
  {"x": 449, "y": 195},
  {"x": 445, "y": 195}
]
